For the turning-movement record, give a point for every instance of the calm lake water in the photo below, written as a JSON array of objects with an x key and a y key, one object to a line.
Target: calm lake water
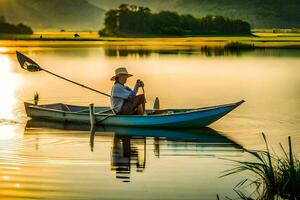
[{"x": 57, "y": 161}]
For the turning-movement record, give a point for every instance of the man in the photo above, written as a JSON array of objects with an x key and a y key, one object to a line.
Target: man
[{"x": 124, "y": 100}]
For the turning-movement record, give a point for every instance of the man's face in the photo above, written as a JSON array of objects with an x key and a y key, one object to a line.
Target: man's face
[{"x": 122, "y": 78}]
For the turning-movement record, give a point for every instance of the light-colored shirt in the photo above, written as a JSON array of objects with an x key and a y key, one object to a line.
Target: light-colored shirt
[{"x": 120, "y": 93}]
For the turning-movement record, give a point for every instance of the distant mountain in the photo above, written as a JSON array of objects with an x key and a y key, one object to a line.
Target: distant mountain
[
  {"x": 259, "y": 13},
  {"x": 89, "y": 14},
  {"x": 53, "y": 14}
]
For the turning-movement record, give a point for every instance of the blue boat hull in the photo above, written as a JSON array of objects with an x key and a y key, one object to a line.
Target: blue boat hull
[{"x": 172, "y": 118}]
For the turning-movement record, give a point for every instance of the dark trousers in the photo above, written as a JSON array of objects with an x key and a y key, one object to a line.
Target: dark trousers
[{"x": 130, "y": 106}]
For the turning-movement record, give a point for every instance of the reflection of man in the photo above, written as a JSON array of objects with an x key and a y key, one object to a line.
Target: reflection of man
[
  {"x": 120, "y": 158},
  {"x": 124, "y": 100},
  {"x": 121, "y": 153},
  {"x": 125, "y": 152}
]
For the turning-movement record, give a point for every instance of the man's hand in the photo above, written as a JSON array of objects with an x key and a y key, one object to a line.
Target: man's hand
[{"x": 140, "y": 83}]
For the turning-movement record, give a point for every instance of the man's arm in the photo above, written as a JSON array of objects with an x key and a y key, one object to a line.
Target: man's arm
[
  {"x": 135, "y": 89},
  {"x": 120, "y": 91},
  {"x": 124, "y": 92}
]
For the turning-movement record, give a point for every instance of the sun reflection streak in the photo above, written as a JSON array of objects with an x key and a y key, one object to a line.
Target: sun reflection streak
[
  {"x": 6, "y": 178},
  {"x": 8, "y": 131},
  {"x": 3, "y": 49},
  {"x": 8, "y": 85}
]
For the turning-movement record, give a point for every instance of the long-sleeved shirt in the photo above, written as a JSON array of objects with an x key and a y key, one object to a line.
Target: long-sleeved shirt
[{"x": 119, "y": 93}]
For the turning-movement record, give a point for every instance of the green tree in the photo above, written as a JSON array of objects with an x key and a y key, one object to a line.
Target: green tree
[
  {"x": 15, "y": 29},
  {"x": 2, "y": 19},
  {"x": 110, "y": 23},
  {"x": 135, "y": 19}
]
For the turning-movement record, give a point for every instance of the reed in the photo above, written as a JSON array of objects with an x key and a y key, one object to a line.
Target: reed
[
  {"x": 275, "y": 177},
  {"x": 290, "y": 171}
]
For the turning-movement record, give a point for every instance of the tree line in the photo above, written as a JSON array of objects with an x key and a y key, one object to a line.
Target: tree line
[
  {"x": 7, "y": 28},
  {"x": 132, "y": 19}
]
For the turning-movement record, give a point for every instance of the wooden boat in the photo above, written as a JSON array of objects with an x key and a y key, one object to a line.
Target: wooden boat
[{"x": 168, "y": 118}]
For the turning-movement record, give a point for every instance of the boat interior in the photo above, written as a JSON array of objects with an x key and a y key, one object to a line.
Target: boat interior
[
  {"x": 105, "y": 110},
  {"x": 108, "y": 110}
]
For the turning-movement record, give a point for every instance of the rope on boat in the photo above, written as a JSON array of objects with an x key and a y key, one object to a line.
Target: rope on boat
[
  {"x": 81, "y": 111},
  {"x": 104, "y": 111},
  {"x": 100, "y": 121}
]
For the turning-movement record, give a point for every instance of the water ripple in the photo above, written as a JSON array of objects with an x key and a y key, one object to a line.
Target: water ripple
[{"x": 8, "y": 122}]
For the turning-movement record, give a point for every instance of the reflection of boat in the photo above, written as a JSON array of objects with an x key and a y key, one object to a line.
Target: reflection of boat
[
  {"x": 203, "y": 135},
  {"x": 128, "y": 152},
  {"x": 169, "y": 118}
]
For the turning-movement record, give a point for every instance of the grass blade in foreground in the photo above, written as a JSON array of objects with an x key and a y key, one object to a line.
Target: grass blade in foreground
[{"x": 276, "y": 177}]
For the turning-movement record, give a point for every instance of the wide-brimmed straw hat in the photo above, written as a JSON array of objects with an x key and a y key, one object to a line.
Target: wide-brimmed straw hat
[{"x": 120, "y": 71}]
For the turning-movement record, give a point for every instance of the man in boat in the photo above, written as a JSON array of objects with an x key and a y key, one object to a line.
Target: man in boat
[{"x": 125, "y": 101}]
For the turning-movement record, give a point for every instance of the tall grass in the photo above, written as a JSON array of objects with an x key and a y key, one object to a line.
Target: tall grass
[{"x": 275, "y": 177}]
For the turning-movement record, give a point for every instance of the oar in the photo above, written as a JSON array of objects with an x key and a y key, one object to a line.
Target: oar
[{"x": 31, "y": 66}]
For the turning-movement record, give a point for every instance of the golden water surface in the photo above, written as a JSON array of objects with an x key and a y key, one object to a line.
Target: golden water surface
[{"x": 57, "y": 162}]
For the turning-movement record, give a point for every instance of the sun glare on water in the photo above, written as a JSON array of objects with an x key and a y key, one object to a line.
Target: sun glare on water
[{"x": 8, "y": 84}]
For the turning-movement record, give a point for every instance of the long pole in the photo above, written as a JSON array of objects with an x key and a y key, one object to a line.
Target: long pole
[
  {"x": 30, "y": 65},
  {"x": 79, "y": 84}
]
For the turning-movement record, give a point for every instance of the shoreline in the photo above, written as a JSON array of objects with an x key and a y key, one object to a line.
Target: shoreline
[{"x": 91, "y": 39}]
